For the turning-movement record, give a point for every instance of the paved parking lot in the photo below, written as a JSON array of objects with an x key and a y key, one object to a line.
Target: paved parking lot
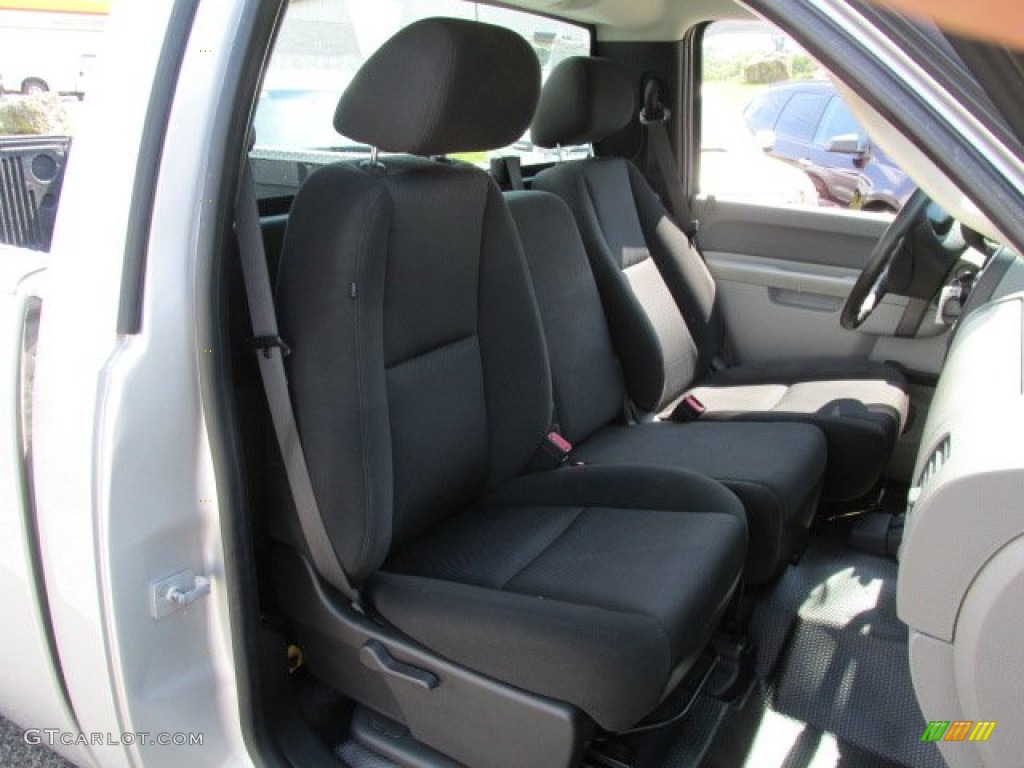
[{"x": 15, "y": 752}]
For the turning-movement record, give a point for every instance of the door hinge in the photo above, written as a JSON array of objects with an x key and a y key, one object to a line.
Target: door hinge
[{"x": 175, "y": 592}]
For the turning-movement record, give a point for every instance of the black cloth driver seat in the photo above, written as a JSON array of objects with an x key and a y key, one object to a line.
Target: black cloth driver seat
[{"x": 661, "y": 300}]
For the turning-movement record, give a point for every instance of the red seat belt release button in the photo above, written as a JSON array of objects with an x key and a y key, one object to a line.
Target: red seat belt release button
[
  {"x": 559, "y": 443},
  {"x": 689, "y": 409}
]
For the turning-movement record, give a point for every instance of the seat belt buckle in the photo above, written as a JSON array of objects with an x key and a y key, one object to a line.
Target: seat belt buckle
[
  {"x": 557, "y": 446},
  {"x": 553, "y": 452},
  {"x": 263, "y": 345},
  {"x": 689, "y": 409}
]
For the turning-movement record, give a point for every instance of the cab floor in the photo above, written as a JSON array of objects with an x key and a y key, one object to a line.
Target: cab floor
[{"x": 833, "y": 683}]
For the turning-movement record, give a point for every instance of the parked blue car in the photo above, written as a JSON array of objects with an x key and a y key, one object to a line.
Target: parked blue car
[{"x": 806, "y": 123}]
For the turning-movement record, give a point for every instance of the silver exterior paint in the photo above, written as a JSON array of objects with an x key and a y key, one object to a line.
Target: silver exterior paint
[
  {"x": 30, "y": 688},
  {"x": 123, "y": 470}
]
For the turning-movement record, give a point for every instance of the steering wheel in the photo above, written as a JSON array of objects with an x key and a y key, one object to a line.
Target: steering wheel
[{"x": 873, "y": 282}]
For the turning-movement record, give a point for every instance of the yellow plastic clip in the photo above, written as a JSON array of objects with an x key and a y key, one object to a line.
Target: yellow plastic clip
[{"x": 294, "y": 658}]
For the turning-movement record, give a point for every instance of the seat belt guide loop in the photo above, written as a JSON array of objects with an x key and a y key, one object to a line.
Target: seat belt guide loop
[{"x": 263, "y": 344}]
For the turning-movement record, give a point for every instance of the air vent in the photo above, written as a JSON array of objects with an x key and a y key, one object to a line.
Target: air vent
[{"x": 939, "y": 457}]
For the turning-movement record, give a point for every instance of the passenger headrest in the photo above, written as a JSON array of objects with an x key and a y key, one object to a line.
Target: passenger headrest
[
  {"x": 585, "y": 99},
  {"x": 440, "y": 86}
]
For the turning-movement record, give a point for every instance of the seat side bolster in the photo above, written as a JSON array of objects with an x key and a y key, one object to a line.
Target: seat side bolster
[
  {"x": 682, "y": 268},
  {"x": 633, "y": 335},
  {"x": 328, "y": 330}
]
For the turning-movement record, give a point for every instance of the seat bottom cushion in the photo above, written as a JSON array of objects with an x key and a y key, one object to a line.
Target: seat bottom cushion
[
  {"x": 595, "y": 586},
  {"x": 776, "y": 470},
  {"x": 860, "y": 405}
]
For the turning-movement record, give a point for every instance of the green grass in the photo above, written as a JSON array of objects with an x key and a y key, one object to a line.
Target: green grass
[
  {"x": 41, "y": 114},
  {"x": 476, "y": 158}
]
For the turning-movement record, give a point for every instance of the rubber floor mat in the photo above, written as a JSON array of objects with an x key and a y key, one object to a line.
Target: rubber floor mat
[{"x": 833, "y": 654}]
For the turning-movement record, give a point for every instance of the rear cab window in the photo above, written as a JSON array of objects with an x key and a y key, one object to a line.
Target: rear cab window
[
  {"x": 775, "y": 130},
  {"x": 320, "y": 46}
]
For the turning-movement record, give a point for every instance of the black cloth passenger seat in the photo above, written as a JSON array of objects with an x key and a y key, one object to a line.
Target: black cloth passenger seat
[
  {"x": 661, "y": 299},
  {"x": 422, "y": 391},
  {"x": 775, "y": 469}
]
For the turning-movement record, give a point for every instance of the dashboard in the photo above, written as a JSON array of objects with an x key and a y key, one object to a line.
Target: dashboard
[{"x": 961, "y": 578}]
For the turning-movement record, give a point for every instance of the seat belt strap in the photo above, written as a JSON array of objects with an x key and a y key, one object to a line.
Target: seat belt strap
[
  {"x": 270, "y": 352},
  {"x": 654, "y": 116}
]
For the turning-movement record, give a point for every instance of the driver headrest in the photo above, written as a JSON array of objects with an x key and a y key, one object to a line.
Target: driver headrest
[
  {"x": 442, "y": 85},
  {"x": 584, "y": 100}
]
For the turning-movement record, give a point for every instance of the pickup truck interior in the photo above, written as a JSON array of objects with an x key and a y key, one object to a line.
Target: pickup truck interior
[{"x": 578, "y": 463}]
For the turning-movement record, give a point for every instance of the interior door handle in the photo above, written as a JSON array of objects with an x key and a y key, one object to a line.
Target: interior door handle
[{"x": 802, "y": 300}]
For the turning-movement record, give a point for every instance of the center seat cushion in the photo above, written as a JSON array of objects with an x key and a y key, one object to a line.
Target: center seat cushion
[
  {"x": 775, "y": 469},
  {"x": 591, "y": 585},
  {"x": 422, "y": 391}
]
